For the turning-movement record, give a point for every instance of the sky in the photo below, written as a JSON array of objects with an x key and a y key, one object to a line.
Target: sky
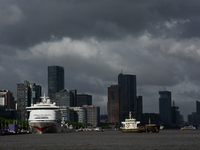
[{"x": 156, "y": 40}]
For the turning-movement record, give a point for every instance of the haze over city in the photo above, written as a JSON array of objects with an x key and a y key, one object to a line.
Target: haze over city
[{"x": 158, "y": 41}]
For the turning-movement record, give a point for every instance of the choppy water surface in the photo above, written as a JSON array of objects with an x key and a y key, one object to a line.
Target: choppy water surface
[{"x": 110, "y": 140}]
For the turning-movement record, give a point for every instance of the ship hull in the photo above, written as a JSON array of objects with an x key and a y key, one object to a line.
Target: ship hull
[
  {"x": 129, "y": 130},
  {"x": 41, "y": 127},
  {"x": 152, "y": 128}
]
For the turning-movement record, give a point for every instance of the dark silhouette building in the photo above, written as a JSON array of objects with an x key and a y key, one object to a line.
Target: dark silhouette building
[
  {"x": 73, "y": 97},
  {"x": 27, "y": 95},
  {"x": 84, "y": 99},
  {"x": 165, "y": 107},
  {"x": 23, "y": 100},
  {"x": 113, "y": 104},
  {"x": 128, "y": 99},
  {"x": 198, "y": 107},
  {"x": 175, "y": 115},
  {"x": 150, "y": 117},
  {"x": 63, "y": 98},
  {"x": 55, "y": 81},
  {"x": 35, "y": 93},
  {"x": 139, "y": 107},
  {"x": 7, "y": 99}
]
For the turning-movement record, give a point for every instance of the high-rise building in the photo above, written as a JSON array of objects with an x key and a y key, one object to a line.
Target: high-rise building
[
  {"x": 175, "y": 115},
  {"x": 7, "y": 99},
  {"x": 139, "y": 107},
  {"x": 194, "y": 118},
  {"x": 35, "y": 93},
  {"x": 73, "y": 97},
  {"x": 84, "y": 99},
  {"x": 7, "y": 105},
  {"x": 93, "y": 115},
  {"x": 128, "y": 99},
  {"x": 198, "y": 107},
  {"x": 63, "y": 98},
  {"x": 27, "y": 95},
  {"x": 55, "y": 81},
  {"x": 23, "y": 100},
  {"x": 113, "y": 104},
  {"x": 165, "y": 107}
]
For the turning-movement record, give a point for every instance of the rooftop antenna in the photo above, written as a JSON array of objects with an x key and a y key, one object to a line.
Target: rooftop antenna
[{"x": 122, "y": 71}]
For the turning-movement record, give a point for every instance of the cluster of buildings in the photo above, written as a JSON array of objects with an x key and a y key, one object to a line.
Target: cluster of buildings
[
  {"x": 74, "y": 107},
  {"x": 194, "y": 117},
  {"x": 122, "y": 99}
]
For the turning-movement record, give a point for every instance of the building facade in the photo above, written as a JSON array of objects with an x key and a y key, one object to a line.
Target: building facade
[
  {"x": 55, "y": 81},
  {"x": 84, "y": 99},
  {"x": 36, "y": 92},
  {"x": 139, "y": 107},
  {"x": 80, "y": 114},
  {"x": 165, "y": 107},
  {"x": 73, "y": 97},
  {"x": 63, "y": 98},
  {"x": 93, "y": 115},
  {"x": 23, "y": 100},
  {"x": 7, "y": 99},
  {"x": 113, "y": 104},
  {"x": 175, "y": 115},
  {"x": 27, "y": 94},
  {"x": 198, "y": 107},
  {"x": 128, "y": 99}
]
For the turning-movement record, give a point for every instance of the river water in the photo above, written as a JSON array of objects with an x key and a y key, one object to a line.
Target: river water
[{"x": 108, "y": 140}]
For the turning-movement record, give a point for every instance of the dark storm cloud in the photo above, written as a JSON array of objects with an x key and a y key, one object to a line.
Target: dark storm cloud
[
  {"x": 94, "y": 41},
  {"x": 26, "y": 23}
]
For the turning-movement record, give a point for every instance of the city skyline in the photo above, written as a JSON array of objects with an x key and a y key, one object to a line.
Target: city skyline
[{"x": 156, "y": 41}]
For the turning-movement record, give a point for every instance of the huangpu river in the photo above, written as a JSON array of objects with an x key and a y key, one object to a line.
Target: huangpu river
[{"x": 108, "y": 140}]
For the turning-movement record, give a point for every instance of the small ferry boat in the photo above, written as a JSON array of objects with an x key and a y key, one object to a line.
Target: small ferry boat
[
  {"x": 129, "y": 125},
  {"x": 44, "y": 117},
  {"x": 190, "y": 127}
]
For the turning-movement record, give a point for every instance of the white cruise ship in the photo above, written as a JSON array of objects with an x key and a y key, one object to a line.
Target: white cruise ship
[{"x": 44, "y": 117}]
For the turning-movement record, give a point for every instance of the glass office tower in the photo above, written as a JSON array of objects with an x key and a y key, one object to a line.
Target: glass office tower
[
  {"x": 165, "y": 107},
  {"x": 128, "y": 98},
  {"x": 55, "y": 81}
]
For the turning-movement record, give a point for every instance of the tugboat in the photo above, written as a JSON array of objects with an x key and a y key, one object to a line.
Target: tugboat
[
  {"x": 130, "y": 125},
  {"x": 152, "y": 127}
]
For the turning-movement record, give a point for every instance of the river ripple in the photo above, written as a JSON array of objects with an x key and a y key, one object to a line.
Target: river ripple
[{"x": 108, "y": 140}]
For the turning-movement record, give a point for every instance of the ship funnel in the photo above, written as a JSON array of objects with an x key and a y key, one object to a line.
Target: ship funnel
[{"x": 129, "y": 114}]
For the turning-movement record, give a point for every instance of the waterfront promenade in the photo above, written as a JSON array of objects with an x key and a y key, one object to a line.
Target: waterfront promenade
[{"x": 109, "y": 140}]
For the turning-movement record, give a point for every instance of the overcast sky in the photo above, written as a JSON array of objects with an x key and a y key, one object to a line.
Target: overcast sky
[{"x": 95, "y": 40}]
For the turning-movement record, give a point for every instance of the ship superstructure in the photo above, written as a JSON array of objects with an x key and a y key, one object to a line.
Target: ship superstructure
[
  {"x": 44, "y": 117},
  {"x": 130, "y": 125}
]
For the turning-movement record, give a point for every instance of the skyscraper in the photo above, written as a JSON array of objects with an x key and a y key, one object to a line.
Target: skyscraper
[
  {"x": 113, "y": 104},
  {"x": 198, "y": 107},
  {"x": 27, "y": 95},
  {"x": 73, "y": 97},
  {"x": 55, "y": 81},
  {"x": 165, "y": 107},
  {"x": 35, "y": 93},
  {"x": 139, "y": 107},
  {"x": 23, "y": 100},
  {"x": 128, "y": 99}
]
